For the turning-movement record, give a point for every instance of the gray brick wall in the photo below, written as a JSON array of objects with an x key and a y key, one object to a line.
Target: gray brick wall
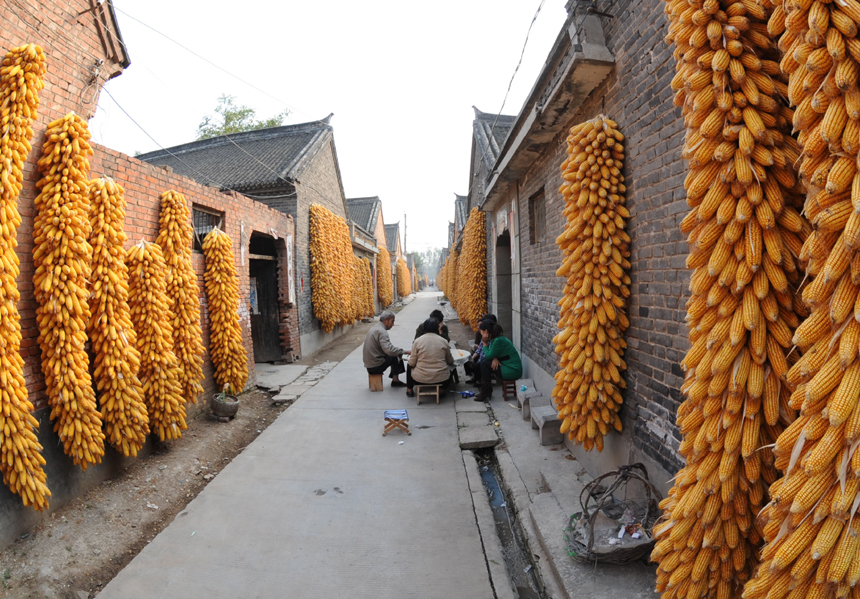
[{"x": 637, "y": 95}]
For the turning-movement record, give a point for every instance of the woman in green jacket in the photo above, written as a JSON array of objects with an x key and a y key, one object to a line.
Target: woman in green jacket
[{"x": 500, "y": 359}]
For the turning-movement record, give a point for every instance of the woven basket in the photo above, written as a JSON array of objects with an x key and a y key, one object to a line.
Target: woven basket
[{"x": 607, "y": 495}]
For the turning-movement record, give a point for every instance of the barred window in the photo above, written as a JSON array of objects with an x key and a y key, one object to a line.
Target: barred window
[
  {"x": 537, "y": 217},
  {"x": 204, "y": 220}
]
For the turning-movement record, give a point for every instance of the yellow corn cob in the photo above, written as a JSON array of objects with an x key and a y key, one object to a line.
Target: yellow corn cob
[
  {"x": 589, "y": 313},
  {"x": 472, "y": 267},
  {"x": 225, "y": 333},
  {"x": 404, "y": 285},
  {"x": 332, "y": 268},
  {"x": 21, "y": 460},
  {"x": 175, "y": 238},
  {"x": 115, "y": 359},
  {"x": 62, "y": 257},
  {"x": 750, "y": 173},
  {"x": 384, "y": 282},
  {"x": 150, "y": 313}
]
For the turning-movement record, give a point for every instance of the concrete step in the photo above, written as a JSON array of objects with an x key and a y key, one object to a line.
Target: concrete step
[
  {"x": 534, "y": 400},
  {"x": 476, "y": 430},
  {"x": 545, "y": 421},
  {"x": 576, "y": 579}
]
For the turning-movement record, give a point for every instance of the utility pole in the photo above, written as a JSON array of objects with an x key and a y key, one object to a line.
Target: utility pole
[{"x": 404, "y": 232}]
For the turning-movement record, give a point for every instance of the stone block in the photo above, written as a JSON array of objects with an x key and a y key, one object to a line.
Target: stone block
[{"x": 545, "y": 420}]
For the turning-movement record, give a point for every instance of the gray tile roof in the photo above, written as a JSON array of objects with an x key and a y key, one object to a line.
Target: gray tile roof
[
  {"x": 450, "y": 234},
  {"x": 489, "y": 138},
  {"x": 461, "y": 213},
  {"x": 364, "y": 212},
  {"x": 392, "y": 237},
  {"x": 267, "y": 158}
]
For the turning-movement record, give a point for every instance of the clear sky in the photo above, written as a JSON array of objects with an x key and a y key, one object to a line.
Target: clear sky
[{"x": 400, "y": 77}]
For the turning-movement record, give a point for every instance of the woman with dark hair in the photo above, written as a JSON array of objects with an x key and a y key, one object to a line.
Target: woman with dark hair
[
  {"x": 500, "y": 358},
  {"x": 437, "y": 314},
  {"x": 431, "y": 359},
  {"x": 473, "y": 364}
]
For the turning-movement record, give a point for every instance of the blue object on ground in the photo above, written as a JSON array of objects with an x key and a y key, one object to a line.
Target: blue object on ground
[{"x": 467, "y": 393}]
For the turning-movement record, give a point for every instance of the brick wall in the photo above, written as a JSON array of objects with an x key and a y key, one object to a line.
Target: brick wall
[
  {"x": 637, "y": 95},
  {"x": 319, "y": 184}
]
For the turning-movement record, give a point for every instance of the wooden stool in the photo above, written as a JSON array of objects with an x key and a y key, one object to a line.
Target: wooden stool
[
  {"x": 509, "y": 387},
  {"x": 396, "y": 419},
  {"x": 375, "y": 382},
  {"x": 427, "y": 391}
]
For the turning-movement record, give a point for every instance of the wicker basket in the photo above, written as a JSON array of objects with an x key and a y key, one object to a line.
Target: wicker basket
[{"x": 606, "y": 497}]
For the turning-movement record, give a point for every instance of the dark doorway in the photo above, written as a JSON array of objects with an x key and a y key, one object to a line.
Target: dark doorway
[
  {"x": 504, "y": 293},
  {"x": 263, "y": 273}
]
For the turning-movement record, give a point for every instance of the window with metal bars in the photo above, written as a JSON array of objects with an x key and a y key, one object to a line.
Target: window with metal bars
[{"x": 204, "y": 220}]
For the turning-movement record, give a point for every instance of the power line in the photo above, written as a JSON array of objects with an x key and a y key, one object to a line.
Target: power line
[{"x": 534, "y": 18}]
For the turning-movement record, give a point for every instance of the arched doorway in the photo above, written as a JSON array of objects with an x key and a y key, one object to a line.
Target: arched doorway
[{"x": 504, "y": 294}]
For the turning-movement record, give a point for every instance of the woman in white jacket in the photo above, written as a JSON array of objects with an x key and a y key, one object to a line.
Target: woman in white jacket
[{"x": 430, "y": 360}]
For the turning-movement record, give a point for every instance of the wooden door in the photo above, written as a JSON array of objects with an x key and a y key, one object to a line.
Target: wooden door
[{"x": 264, "y": 311}]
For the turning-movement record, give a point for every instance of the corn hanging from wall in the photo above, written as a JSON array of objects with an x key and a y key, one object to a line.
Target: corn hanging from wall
[
  {"x": 745, "y": 233},
  {"x": 225, "y": 333},
  {"x": 21, "y": 460},
  {"x": 404, "y": 286},
  {"x": 384, "y": 282},
  {"x": 150, "y": 313},
  {"x": 472, "y": 275},
  {"x": 115, "y": 359},
  {"x": 364, "y": 288},
  {"x": 62, "y": 256},
  {"x": 175, "y": 238},
  {"x": 811, "y": 525},
  {"x": 595, "y": 246},
  {"x": 332, "y": 268}
]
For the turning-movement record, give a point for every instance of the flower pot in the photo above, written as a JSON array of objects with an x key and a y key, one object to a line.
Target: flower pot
[{"x": 224, "y": 407}]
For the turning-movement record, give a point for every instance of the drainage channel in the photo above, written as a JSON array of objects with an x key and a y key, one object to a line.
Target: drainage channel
[{"x": 518, "y": 560}]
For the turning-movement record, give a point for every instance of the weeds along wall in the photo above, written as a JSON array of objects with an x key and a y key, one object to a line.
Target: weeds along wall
[{"x": 638, "y": 96}]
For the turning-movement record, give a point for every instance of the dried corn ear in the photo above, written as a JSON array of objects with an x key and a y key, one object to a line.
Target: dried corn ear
[
  {"x": 812, "y": 532},
  {"x": 225, "y": 333},
  {"x": 150, "y": 313},
  {"x": 175, "y": 238},
  {"x": 595, "y": 249},
  {"x": 384, "y": 282},
  {"x": 472, "y": 275},
  {"x": 115, "y": 359},
  {"x": 404, "y": 279},
  {"x": 62, "y": 256},
  {"x": 365, "y": 289},
  {"x": 21, "y": 461},
  {"x": 744, "y": 232},
  {"x": 332, "y": 268}
]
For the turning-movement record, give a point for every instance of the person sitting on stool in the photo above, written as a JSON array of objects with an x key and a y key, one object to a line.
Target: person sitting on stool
[
  {"x": 430, "y": 360},
  {"x": 380, "y": 354},
  {"x": 473, "y": 365},
  {"x": 437, "y": 314},
  {"x": 500, "y": 358}
]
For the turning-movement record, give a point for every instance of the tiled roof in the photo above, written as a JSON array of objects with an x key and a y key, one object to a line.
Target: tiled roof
[
  {"x": 461, "y": 213},
  {"x": 392, "y": 237},
  {"x": 364, "y": 212},
  {"x": 450, "y": 234},
  {"x": 266, "y": 158},
  {"x": 488, "y": 138}
]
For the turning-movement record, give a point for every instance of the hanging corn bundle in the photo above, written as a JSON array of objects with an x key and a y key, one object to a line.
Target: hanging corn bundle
[
  {"x": 596, "y": 248},
  {"x": 116, "y": 361},
  {"x": 744, "y": 233},
  {"x": 404, "y": 285},
  {"x": 62, "y": 256},
  {"x": 150, "y": 313},
  {"x": 384, "y": 282},
  {"x": 225, "y": 333},
  {"x": 812, "y": 531},
  {"x": 453, "y": 276},
  {"x": 174, "y": 237},
  {"x": 21, "y": 461},
  {"x": 472, "y": 280},
  {"x": 332, "y": 268},
  {"x": 365, "y": 289},
  {"x": 442, "y": 278}
]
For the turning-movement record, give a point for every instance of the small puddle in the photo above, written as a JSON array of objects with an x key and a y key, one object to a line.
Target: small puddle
[{"x": 517, "y": 557}]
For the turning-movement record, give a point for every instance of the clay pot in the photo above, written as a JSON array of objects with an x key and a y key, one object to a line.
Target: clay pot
[{"x": 224, "y": 407}]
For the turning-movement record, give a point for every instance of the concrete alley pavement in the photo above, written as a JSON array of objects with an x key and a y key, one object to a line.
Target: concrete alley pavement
[{"x": 322, "y": 505}]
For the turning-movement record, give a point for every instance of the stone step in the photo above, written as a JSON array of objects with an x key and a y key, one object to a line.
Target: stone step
[
  {"x": 564, "y": 478},
  {"x": 535, "y": 400},
  {"x": 545, "y": 421},
  {"x": 476, "y": 431}
]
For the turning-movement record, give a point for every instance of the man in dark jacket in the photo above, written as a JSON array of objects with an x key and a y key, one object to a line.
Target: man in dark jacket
[
  {"x": 439, "y": 318},
  {"x": 380, "y": 354}
]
